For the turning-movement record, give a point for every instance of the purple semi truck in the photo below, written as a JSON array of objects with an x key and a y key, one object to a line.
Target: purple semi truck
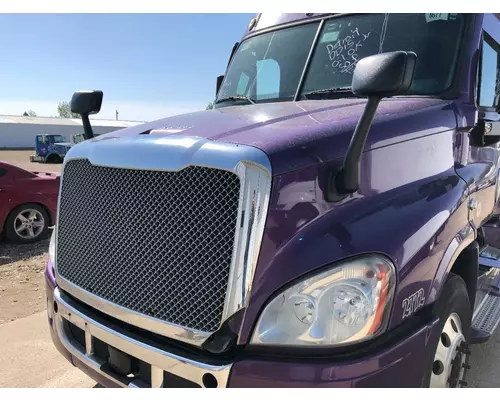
[{"x": 332, "y": 222}]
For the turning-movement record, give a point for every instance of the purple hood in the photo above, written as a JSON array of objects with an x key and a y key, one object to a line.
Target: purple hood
[{"x": 296, "y": 135}]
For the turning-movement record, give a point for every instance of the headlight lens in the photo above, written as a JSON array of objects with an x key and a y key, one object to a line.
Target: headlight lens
[
  {"x": 497, "y": 190},
  {"x": 52, "y": 246},
  {"x": 348, "y": 303}
]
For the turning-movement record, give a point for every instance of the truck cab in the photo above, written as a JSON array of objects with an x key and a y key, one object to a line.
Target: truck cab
[
  {"x": 331, "y": 222},
  {"x": 50, "y": 149}
]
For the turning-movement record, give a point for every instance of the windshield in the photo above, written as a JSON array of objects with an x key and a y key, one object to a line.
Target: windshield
[
  {"x": 59, "y": 139},
  {"x": 269, "y": 67}
]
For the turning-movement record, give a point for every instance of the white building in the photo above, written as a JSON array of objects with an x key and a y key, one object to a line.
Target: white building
[{"x": 18, "y": 132}]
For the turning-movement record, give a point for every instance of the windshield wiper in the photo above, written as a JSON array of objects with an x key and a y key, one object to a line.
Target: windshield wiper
[
  {"x": 327, "y": 91},
  {"x": 233, "y": 98}
]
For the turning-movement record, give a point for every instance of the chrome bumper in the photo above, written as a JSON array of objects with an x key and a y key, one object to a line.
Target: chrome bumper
[{"x": 64, "y": 311}]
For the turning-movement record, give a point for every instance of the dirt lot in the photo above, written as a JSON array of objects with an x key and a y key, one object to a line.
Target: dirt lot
[
  {"x": 21, "y": 279},
  {"x": 21, "y": 158}
]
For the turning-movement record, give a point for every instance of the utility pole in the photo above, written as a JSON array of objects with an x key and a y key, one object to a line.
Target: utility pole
[{"x": 117, "y": 115}]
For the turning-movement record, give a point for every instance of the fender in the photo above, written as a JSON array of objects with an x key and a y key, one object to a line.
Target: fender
[{"x": 460, "y": 242}]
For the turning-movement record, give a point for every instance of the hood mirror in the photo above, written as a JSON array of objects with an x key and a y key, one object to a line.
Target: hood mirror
[
  {"x": 375, "y": 77},
  {"x": 85, "y": 103}
]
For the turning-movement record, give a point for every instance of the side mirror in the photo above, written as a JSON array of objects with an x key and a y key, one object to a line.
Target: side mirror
[
  {"x": 220, "y": 78},
  {"x": 375, "y": 77},
  {"x": 492, "y": 129},
  {"x": 384, "y": 75},
  {"x": 85, "y": 103}
]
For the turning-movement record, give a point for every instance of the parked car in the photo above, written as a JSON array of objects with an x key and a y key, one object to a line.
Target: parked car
[{"x": 28, "y": 203}]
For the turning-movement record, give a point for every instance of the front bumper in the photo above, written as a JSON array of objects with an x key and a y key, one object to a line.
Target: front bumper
[
  {"x": 65, "y": 312},
  {"x": 402, "y": 364}
]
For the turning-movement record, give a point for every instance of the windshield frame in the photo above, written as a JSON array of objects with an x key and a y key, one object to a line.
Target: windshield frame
[{"x": 451, "y": 91}]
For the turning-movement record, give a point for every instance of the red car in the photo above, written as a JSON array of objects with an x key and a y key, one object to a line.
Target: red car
[{"x": 28, "y": 203}]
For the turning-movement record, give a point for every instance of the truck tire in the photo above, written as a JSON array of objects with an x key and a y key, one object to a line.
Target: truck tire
[
  {"x": 54, "y": 159},
  {"x": 33, "y": 218},
  {"x": 450, "y": 352}
]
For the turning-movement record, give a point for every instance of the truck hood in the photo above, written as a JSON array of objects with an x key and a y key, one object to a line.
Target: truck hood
[
  {"x": 298, "y": 134},
  {"x": 65, "y": 144}
]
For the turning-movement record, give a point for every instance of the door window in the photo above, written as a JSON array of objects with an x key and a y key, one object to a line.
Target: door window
[{"x": 489, "y": 79}]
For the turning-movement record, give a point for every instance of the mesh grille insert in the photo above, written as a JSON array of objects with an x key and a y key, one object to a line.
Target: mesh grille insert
[{"x": 158, "y": 243}]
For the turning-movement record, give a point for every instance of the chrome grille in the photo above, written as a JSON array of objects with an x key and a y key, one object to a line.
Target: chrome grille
[{"x": 155, "y": 242}]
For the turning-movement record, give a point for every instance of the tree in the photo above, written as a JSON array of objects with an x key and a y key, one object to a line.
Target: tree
[
  {"x": 30, "y": 113},
  {"x": 64, "y": 110},
  {"x": 210, "y": 106}
]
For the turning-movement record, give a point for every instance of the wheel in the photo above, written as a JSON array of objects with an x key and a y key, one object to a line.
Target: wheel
[
  {"x": 54, "y": 159},
  {"x": 451, "y": 351},
  {"x": 27, "y": 223}
]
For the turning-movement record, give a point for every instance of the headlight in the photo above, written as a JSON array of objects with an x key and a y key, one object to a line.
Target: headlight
[
  {"x": 497, "y": 190},
  {"x": 52, "y": 246},
  {"x": 347, "y": 303}
]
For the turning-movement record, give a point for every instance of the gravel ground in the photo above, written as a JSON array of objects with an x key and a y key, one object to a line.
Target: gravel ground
[{"x": 21, "y": 279}]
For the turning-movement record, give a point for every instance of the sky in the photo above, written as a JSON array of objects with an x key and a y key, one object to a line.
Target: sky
[{"x": 149, "y": 66}]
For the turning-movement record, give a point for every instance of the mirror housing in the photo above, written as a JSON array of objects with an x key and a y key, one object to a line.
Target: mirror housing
[
  {"x": 384, "y": 75},
  {"x": 85, "y": 103},
  {"x": 492, "y": 129},
  {"x": 375, "y": 77},
  {"x": 485, "y": 133},
  {"x": 220, "y": 78}
]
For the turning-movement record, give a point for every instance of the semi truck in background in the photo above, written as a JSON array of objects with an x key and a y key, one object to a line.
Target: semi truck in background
[
  {"x": 53, "y": 148},
  {"x": 332, "y": 222},
  {"x": 50, "y": 149},
  {"x": 77, "y": 138},
  {"x": 80, "y": 137}
]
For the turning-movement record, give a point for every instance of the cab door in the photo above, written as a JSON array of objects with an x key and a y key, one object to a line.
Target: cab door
[
  {"x": 481, "y": 171},
  {"x": 41, "y": 145}
]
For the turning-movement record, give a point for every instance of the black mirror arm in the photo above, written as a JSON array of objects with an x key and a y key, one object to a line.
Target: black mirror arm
[
  {"x": 347, "y": 179},
  {"x": 375, "y": 77},
  {"x": 87, "y": 128}
]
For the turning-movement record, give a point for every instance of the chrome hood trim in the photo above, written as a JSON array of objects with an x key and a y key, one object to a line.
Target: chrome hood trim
[{"x": 166, "y": 153}]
